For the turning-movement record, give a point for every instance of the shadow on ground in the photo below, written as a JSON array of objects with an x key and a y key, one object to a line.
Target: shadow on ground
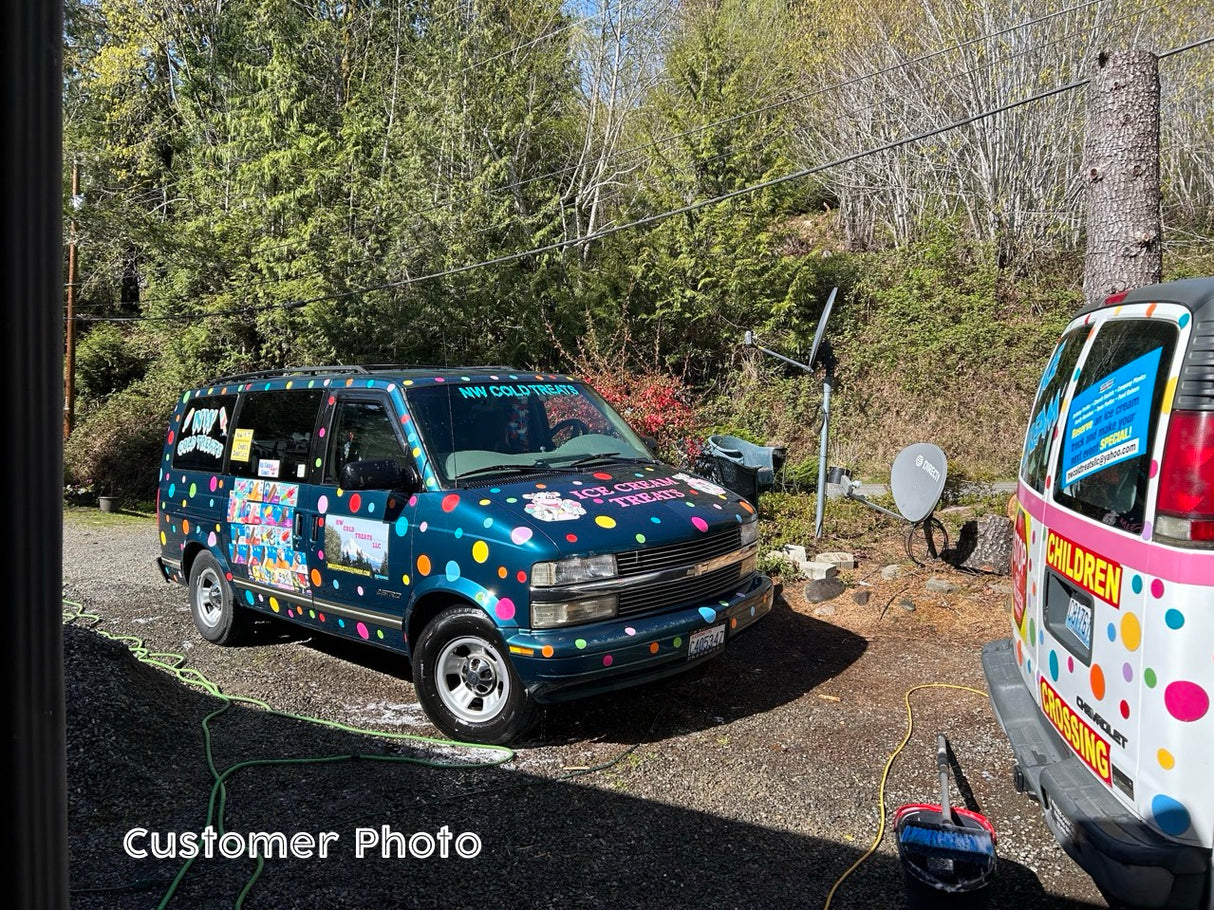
[{"x": 137, "y": 757}]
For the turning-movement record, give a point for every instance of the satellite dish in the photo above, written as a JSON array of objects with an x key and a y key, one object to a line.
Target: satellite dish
[
  {"x": 821, "y": 332},
  {"x": 917, "y": 480}
]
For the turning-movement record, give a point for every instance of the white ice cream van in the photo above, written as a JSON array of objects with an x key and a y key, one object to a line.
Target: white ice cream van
[{"x": 1104, "y": 686}]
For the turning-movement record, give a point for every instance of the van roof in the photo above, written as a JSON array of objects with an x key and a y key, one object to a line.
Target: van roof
[
  {"x": 1195, "y": 389},
  {"x": 403, "y": 371}
]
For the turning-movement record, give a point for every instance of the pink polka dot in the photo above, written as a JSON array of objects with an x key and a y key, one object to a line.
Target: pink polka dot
[
  {"x": 504, "y": 608},
  {"x": 1186, "y": 701},
  {"x": 608, "y": 660},
  {"x": 211, "y": 539},
  {"x": 520, "y": 535},
  {"x": 629, "y": 630},
  {"x": 214, "y": 484},
  {"x": 356, "y": 502},
  {"x": 361, "y": 592},
  {"x": 450, "y": 502},
  {"x": 1153, "y": 469},
  {"x": 321, "y": 432},
  {"x": 362, "y": 631},
  {"x": 700, "y": 523},
  {"x": 1157, "y": 588},
  {"x": 322, "y": 504}
]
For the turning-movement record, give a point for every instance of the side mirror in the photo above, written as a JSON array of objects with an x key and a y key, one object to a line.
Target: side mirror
[
  {"x": 651, "y": 443},
  {"x": 380, "y": 474}
]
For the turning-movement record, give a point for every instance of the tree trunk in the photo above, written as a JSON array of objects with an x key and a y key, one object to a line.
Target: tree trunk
[{"x": 1121, "y": 161}]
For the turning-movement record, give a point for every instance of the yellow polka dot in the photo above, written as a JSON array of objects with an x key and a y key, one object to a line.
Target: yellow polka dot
[
  {"x": 480, "y": 551},
  {"x": 274, "y": 604},
  {"x": 1166, "y": 760},
  {"x": 1131, "y": 632},
  {"x": 1169, "y": 391},
  {"x": 163, "y": 539},
  {"x": 604, "y": 521},
  {"x": 404, "y": 579}
]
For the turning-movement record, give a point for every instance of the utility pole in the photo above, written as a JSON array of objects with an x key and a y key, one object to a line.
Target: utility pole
[
  {"x": 69, "y": 373},
  {"x": 1121, "y": 161}
]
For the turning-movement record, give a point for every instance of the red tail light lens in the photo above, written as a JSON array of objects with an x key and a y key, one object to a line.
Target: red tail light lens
[{"x": 1185, "y": 507}]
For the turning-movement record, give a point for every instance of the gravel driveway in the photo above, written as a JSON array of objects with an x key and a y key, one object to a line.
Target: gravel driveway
[{"x": 753, "y": 781}]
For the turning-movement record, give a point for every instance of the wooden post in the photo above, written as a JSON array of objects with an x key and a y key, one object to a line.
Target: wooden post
[{"x": 1121, "y": 161}]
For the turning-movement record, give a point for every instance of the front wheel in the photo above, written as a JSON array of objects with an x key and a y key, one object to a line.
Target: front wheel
[
  {"x": 211, "y": 603},
  {"x": 465, "y": 681}
]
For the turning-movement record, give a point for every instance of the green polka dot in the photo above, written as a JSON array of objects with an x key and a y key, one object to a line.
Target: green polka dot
[
  {"x": 640, "y": 538},
  {"x": 678, "y": 641},
  {"x": 580, "y": 643},
  {"x": 1148, "y": 677}
]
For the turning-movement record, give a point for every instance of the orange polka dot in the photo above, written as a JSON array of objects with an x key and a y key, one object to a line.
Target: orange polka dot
[
  {"x": 316, "y": 577},
  {"x": 501, "y": 572},
  {"x": 1097, "y": 679},
  {"x": 547, "y": 650},
  {"x": 653, "y": 647},
  {"x": 423, "y": 564}
]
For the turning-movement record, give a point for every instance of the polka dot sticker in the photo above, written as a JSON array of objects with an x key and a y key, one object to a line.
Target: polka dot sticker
[
  {"x": 580, "y": 644},
  {"x": 608, "y": 660},
  {"x": 604, "y": 521},
  {"x": 1096, "y": 677},
  {"x": 1136, "y": 584},
  {"x": 653, "y": 647},
  {"x": 1186, "y": 701},
  {"x": 1167, "y": 761},
  {"x": 423, "y": 564},
  {"x": 1131, "y": 632},
  {"x": 504, "y": 609},
  {"x": 520, "y": 535},
  {"x": 452, "y": 570},
  {"x": 362, "y": 631},
  {"x": 1054, "y": 665},
  {"x": 547, "y": 650},
  {"x": 1174, "y": 618},
  {"x": 709, "y": 614},
  {"x": 450, "y": 501},
  {"x": 700, "y": 524},
  {"x": 480, "y": 551},
  {"x": 1157, "y": 588},
  {"x": 1170, "y": 815}
]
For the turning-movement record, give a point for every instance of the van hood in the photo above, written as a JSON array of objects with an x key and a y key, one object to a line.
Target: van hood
[{"x": 602, "y": 508}]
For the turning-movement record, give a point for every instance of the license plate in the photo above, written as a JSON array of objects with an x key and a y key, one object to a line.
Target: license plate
[
  {"x": 1079, "y": 621},
  {"x": 705, "y": 641}
]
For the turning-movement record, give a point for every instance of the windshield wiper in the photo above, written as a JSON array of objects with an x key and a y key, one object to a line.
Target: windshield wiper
[
  {"x": 586, "y": 461},
  {"x": 534, "y": 468}
]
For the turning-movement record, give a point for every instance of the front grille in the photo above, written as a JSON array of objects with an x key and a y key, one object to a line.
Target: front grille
[
  {"x": 680, "y": 592},
  {"x": 683, "y": 553}
]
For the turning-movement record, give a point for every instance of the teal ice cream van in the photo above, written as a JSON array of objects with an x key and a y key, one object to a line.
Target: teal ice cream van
[{"x": 507, "y": 532}]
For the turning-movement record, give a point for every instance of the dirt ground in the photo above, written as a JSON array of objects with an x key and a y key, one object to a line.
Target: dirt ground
[{"x": 768, "y": 775}]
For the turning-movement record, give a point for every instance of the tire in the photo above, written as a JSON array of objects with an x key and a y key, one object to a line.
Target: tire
[
  {"x": 466, "y": 682},
  {"x": 212, "y": 605}
]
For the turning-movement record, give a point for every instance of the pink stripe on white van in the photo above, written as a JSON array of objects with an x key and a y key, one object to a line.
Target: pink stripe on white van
[{"x": 1190, "y": 567}]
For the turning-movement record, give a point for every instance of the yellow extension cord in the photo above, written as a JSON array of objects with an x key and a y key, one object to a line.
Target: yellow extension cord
[{"x": 910, "y": 726}]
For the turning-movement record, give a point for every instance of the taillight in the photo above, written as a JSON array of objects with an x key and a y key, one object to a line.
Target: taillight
[
  {"x": 1184, "y": 511},
  {"x": 1113, "y": 299}
]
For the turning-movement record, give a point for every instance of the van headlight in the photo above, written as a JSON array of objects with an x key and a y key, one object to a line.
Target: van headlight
[
  {"x": 750, "y": 532},
  {"x": 547, "y": 614},
  {"x": 572, "y": 571}
]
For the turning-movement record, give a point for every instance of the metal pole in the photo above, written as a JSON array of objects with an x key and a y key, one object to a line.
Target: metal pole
[{"x": 821, "y": 503}]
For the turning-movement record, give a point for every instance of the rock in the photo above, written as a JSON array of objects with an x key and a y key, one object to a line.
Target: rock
[
  {"x": 818, "y": 570},
  {"x": 860, "y": 597},
  {"x": 838, "y": 560},
  {"x": 941, "y": 586},
  {"x": 823, "y": 589},
  {"x": 889, "y": 573},
  {"x": 795, "y": 552},
  {"x": 907, "y": 604},
  {"x": 825, "y": 610},
  {"x": 985, "y": 545}
]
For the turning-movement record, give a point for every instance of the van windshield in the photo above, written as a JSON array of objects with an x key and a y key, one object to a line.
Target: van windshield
[{"x": 476, "y": 431}]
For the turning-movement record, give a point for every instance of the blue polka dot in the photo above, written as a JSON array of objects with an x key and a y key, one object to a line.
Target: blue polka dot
[
  {"x": 336, "y": 584},
  {"x": 488, "y": 522},
  {"x": 248, "y": 595},
  {"x": 402, "y": 526},
  {"x": 1174, "y": 618},
  {"x": 1054, "y": 665},
  {"x": 1136, "y": 584},
  {"x": 341, "y": 623},
  {"x": 655, "y": 519},
  {"x": 172, "y": 490},
  {"x": 1111, "y": 631},
  {"x": 1171, "y": 816},
  {"x": 708, "y": 613},
  {"x": 452, "y": 570},
  {"x": 459, "y": 532},
  {"x": 1183, "y": 320},
  {"x": 370, "y": 508}
]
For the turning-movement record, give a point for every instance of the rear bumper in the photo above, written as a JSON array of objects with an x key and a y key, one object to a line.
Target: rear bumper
[{"x": 1127, "y": 860}]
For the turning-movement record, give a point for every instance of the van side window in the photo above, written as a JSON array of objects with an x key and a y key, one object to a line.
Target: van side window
[
  {"x": 274, "y": 434},
  {"x": 362, "y": 431},
  {"x": 1034, "y": 466},
  {"x": 1104, "y": 464},
  {"x": 203, "y": 434}
]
